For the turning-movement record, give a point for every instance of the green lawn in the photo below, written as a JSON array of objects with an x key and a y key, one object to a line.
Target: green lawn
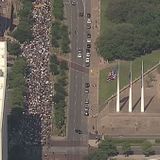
[
  {"x": 104, "y": 20},
  {"x": 107, "y": 89}
]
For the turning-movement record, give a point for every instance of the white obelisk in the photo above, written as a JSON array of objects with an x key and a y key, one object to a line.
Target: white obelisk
[
  {"x": 142, "y": 90},
  {"x": 130, "y": 88},
  {"x": 117, "y": 102}
]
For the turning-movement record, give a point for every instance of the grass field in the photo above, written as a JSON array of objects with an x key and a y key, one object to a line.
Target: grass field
[
  {"x": 104, "y": 21},
  {"x": 107, "y": 89}
]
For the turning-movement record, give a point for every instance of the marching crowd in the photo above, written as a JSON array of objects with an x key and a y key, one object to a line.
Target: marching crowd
[{"x": 38, "y": 99}]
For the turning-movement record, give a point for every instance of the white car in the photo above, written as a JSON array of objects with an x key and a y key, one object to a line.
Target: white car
[
  {"x": 88, "y": 20},
  {"x": 88, "y": 40},
  {"x": 87, "y": 60},
  {"x": 79, "y": 55},
  {"x": 88, "y": 54}
]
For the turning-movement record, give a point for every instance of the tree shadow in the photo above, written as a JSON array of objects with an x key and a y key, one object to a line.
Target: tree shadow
[
  {"x": 136, "y": 104},
  {"x": 124, "y": 101},
  {"x": 149, "y": 102}
]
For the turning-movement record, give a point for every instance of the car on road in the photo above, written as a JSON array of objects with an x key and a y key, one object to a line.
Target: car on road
[
  {"x": 88, "y": 15},
  {"x": 87, "y": 85},
  {"x": 81, "y": 14},
  {"x": 78, "y": 131},
  {"x": 88, "y": 45},
  {"x": 86, "y": 111},
  {"x": 88, "y": 50},
  {"x": 88, "y": 40},
  {"x": 87, "y": 64},
  {"x": 89, "y": 20},
  {"x": 87, "y": 60},
  {"x": 88, "y": 55},
  {"x": 86, "y": 90},
  {"x": 86, "y": 101},
  {"x": 79, "y": 55},
  {"x": 88, "y": 26},
  {"x": 88, "y": 35},
  {"x": 73, "y": 2}
]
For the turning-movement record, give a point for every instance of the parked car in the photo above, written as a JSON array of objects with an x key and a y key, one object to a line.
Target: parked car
[
  {"x": 88, "y": 35},
  {"x": 88, "y": 15},
  {"x": 87, "y": 60},
  {"x": 87, "y": 85},
  {"x": 89, "y": 20},
  {"x": 88, "y": 40},
  {"x": 73, "y": 2},
  {"x": 86, "y": 111},
  {"x": 86, "y": 90},
  {"x": 81, "y": 14},
  {"x": 79, "y": 55},
  {"x": 87, "y": 64},
  {"x": 88, "y": 45},
  {"x": 88, "y": 55},
  {"x": 86, "y": 101},
  {"x": 88, "y": 26}
]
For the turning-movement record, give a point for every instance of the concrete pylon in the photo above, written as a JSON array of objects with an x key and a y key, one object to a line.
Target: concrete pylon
[
  {"x": 118, "y": 102},
  {"x": 130, "y": 89},
  {"x": 142, "y": 90}
]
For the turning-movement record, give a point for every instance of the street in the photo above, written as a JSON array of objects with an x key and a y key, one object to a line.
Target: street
[{"x": 76, "y": 117}]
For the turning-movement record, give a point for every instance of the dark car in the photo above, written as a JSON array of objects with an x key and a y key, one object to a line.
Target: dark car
[
  {"x": 88, "y": 45},
  {"x": 88, "y": 35},
  {"x": 87, "y": 64},
  {"x": 86, "y": 90},
  {"x": 86, "y": 111},
  {"x": 87, "y": 50},
  {"x": 78, "y": 131},
  {"x": 86, "y": 101},
  {"x": 81, "y": 14},
  {"x": 88, "y": 15},
  {"x": 88, "y": 26},
  {"x": 87, "y": 85},
  {"x": 73, "y": 2}
]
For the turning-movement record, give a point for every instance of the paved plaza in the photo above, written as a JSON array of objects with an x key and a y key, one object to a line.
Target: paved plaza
[{"x": 135, "y": 124}]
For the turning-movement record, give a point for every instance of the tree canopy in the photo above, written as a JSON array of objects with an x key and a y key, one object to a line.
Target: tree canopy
[{"x": 133, "y": 29}]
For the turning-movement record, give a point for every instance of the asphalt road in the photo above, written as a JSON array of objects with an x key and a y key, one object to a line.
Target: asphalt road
[{"x": 76, "y": 119}]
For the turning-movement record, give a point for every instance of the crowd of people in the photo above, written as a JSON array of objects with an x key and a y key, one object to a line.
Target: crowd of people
[{"x": 39, "y": 89}]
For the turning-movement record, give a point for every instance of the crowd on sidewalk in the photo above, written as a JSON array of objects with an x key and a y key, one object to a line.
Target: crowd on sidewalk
[{"x": 38, "y": 100}]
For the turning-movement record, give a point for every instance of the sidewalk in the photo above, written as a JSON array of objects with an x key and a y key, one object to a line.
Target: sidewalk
[{"x": 94, "y": 66}]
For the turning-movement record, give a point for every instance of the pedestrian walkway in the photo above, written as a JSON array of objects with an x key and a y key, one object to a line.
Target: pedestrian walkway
[{"x": 94, "y": 68}]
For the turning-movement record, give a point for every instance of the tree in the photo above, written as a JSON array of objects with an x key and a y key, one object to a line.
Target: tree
[
  {"x": 64, "y": 65},
  {"x": 59, "y": 117},
  {"x": 58, "y": 97},
  {"x": 54, "y": 69},
  {"x": 126, "y": 148},
  {"x": 14, "y": 48},
  {"x": 133, "y": 29},
  {"x": 105, "y": 149},
  {"x": 147, "y": 148},
  {"x": 53, "y": 59},
  {"x": 108, "y": 146},
  {"x": 60, "y": 89}
]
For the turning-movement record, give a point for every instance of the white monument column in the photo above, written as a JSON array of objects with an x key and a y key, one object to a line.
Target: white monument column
[
  {"x": 117, "y": 102},
  {"x": 130, "y": 88},
  {"x": 142, "y": 90}
]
